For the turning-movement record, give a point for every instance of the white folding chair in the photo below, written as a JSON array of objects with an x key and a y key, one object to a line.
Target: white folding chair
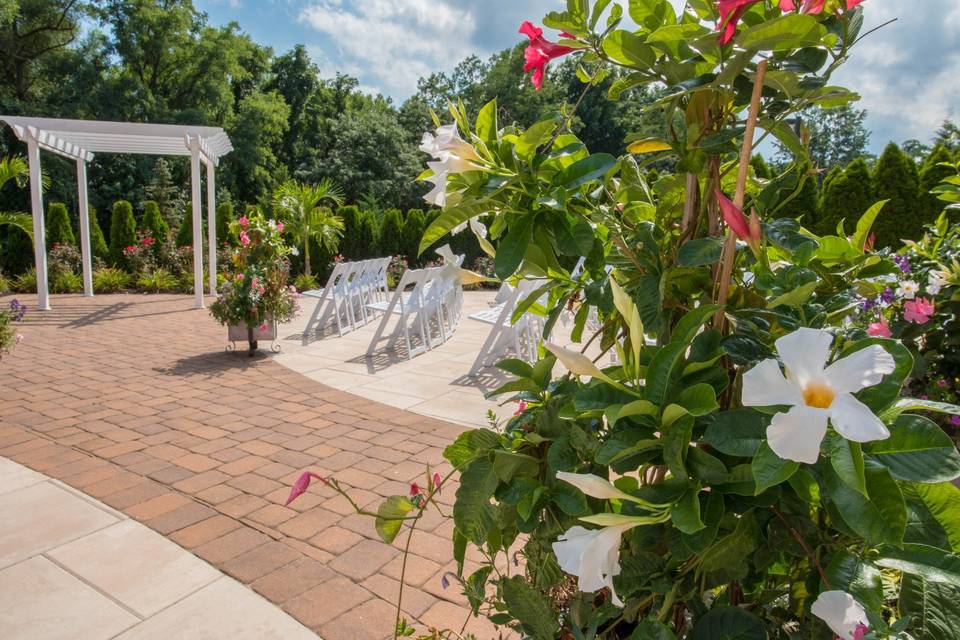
[
  {"x": 330, "y": 303},
  {"x": 523, "y": 335},
  {"x": 408, "y": 306}
]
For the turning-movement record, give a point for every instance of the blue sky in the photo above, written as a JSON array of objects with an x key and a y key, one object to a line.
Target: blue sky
[{"x": 907, "y": 73}]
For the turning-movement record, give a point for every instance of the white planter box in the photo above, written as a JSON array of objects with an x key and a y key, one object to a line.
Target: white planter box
[{"x": 239, "y": 333}]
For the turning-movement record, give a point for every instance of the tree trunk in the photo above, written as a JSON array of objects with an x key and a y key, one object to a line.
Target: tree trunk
[
  {"x": 252, "y": 342},
  {"x": 306, "y": 254}
]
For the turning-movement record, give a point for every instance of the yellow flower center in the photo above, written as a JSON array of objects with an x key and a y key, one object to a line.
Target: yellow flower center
[{"x": 819, "y": 395}]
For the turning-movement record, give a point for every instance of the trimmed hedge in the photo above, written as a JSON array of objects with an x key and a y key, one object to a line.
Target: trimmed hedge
[
  {"x": 896, "y": 179},
  {"x": 153, "y": 222},
  {"x": 59, "y": 228},
  {"x": 123, "y": 230},
  {"x": 391, "y": 232}
]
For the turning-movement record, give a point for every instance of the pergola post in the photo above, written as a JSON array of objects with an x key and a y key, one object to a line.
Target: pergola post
[
  {"x": 194, "y": 145},
  {"x": 39, "y": 229},
  {"x": 212, "y": 226},
  {"x": 84, "y": 213}
]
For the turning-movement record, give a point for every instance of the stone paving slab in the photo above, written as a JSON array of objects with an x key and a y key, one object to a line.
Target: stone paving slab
[
  {"x": 99, "y": 575},
  {"x": 132, "y": 400}
]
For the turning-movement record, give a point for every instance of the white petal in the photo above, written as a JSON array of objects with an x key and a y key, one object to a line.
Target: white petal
[
  {"x": 478, "y": 227},
  {"x": 804, "y": 353},
  {"x": 592, "y": 556},
  {"x": 840, "y": 611},
  {"x": 855, "y": 421},
  {"x": 765, "y": 386},
  {"x": 861, "y": 369},
  {"x": 593, "y": 486},
  {"x": 797, "y": 434}
]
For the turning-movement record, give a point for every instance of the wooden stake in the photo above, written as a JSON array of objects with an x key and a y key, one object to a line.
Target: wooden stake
[{"x": 730, "y": 246}]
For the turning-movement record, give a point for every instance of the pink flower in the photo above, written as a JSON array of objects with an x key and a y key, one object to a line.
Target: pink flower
[
  {"x": 860, "y": 631},
  {"x": 244, "y": 238},
  {"x": 539, "y": 52},
  {"x": 240, "y": 277},
  {"x": 813, "y": 6},
  {"x": 437, "y": 480},
  {"x": 300, "y": 486},
  {"x": 131, "y": 248},
  {"x": 918, "y": 311},
  {"x": 243, "y": 221},
  {"x": 747, "y": 230},
  {"x": 263, "y": 327},
  {"x": 414, "y": 489},
  {"x": 879, "y": 329},
  {"x": 521, "y": 407},
  {"x": 279, "y": 227}
]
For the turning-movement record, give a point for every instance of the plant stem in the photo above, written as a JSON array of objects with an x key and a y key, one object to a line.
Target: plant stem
[
  {"x": 803, "y": 544},
  {"x": 403, "y": 576}
]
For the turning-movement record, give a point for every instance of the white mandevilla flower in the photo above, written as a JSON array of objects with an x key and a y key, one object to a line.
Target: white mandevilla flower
[
  {"x": 294, "y": 251},
  {"x": 908, "y": 290},
  {"x": 936, "y": 281},
  {"x": 842, "y": 613},
  {"x": 476, "y": 226},
  {"x": 447, "y": 140},
  {"x": 451, "y": 155},
  {"x": 816, "y": 393}
]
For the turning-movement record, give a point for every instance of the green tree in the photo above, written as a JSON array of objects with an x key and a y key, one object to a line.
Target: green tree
[
  {"x": 153, "y": 222},
  {"x": 301, "y": 206},
  {"x": 350, "y": 246},
  {"x": 59, "y": 229},
  {"x": 253, "y": 169},
  {"x": 224, "y": 219},
  {"x": 837, "y": 136},
  {"x": 932, "y": 174},
  {"x": 123, "y": 230},
  {"x": 185, "y": 230},
  {"x": 369, "y": 246},
  {"x": 391, "y": 231},
  {"x": 413, "y": 229},
  {"x": 896, "y": 179},
  {"x": 165, "y": 193},
  {"x": 760, "y": 167},
  {"x": 846, "y": 196},
  {"x": 806, "y": 203},
  {"x": 98, "y": 244}
]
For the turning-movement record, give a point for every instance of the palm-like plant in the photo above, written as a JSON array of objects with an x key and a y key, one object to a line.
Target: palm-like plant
[
  {"x": 302, "y": 204},
  {"x": 15, "y": 168}
]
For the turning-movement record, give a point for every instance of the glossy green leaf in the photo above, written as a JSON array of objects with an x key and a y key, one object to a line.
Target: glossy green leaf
[
  {"x": 865, "y": 223},
  {"x": 846, "y": 458},
  {"x": 699, "y": 400},
  {"x": 535, "y": 614},
  {"x": 472, "y": 512},
  {"x": 700, "y": 252},
  {"x": 487, "y": 123},
  {"x": 512, "y": 248},
  {"x": 769, "y": 469},
  {"x": 943, "y": 502},
  {"x": 390, "y": 517},
  {"x": 685, "y": 513},
  {"x": 587, "y": 170},
  {"x": 791, "y": 31},
  {"x": 858, "y": 577},
  {"x": 737, "y": 433},
  {"x": 918, "y": 451},
  {"x": 881, "y": 518},
  {"x": 628, "y": 49},
  {"x": 728, "y": 623},
  {"x": 933, "y": 608},
  {"x": 663, "y": 367},
  {"x": 929, "y": 563}
]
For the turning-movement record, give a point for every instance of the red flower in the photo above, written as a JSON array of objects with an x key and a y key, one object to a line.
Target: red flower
[
  {"x": 539, "y": 52},
  {"x": 730, "y": 13},
  {"x": 414, "y": 489},
  {"x": 747, "y": 230},
  {"x": 131, "y": 248},
  {"x": 147, "y": 241},
  {"x": 300, "y": 486},
  {"x": 812, "y": 6}
]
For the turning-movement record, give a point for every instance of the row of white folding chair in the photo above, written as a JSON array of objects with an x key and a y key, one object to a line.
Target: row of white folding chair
[
  {"x": 417, "y": 311},
  {"x": 350, "y": 286},
  {"x": 523, "y": 336}
]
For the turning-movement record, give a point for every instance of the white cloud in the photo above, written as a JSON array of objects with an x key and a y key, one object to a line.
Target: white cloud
[{"x": 390, "y": 44}]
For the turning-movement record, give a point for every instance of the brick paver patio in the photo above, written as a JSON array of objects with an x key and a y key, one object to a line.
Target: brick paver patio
[{"x": 132, "y": 400}]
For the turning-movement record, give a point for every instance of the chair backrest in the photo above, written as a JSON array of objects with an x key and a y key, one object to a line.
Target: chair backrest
[
  {"x": 339, "y": 269},
  {"x": 346, "y": 281}
]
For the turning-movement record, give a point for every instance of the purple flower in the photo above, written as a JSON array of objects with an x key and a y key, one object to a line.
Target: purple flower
[
  {"x": 941, "y": 383},
  {"x": 903, "y": 263},
  {"x": 887, "y": 296},
  {"x": 17, "y": 310},
  {"x": 955, "y": 421},
  {"x": 866, "y": 304}
]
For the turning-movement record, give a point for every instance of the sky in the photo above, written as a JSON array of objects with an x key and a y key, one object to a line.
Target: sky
[{"x": 907, "y": 72}]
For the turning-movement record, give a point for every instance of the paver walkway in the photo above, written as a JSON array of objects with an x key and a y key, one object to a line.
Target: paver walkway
[
  {"x": 72, "y": 568},
  {"x": 132, "y": 400}
]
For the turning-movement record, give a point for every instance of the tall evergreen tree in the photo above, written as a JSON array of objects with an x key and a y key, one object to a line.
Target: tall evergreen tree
[
  {"x": 932, "y": 174},
  {"x": 162, "y": 190},
  {"x": 896, "y": 179},
  {"x": 123, "y": 230},
  {"x": 59, "y": 229},
  {"x": 184, "y": 236},
  {"x": 98, "y": 244},
  {"x": 350, "y": 247},
  {"x": 153, "y": 222},
  {"x": 224, "y": 218},
  {"x": 845, "y": 197},
  {"x": 760, "y": 167},
  {"x": 391, "y": 231},
  {"x": 413, "y": 229}
]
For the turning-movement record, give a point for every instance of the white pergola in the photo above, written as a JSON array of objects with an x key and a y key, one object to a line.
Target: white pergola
[{"x": 80, "y": 139}]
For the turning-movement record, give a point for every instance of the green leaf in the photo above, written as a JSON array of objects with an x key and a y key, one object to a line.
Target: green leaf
[
  {"x": 447, "y": 220},
  {"x": 728, "y": 623},
  {"x": 507, "y": 464},
  {"x": 915, "y": 404},
  {"x": 533, "y": 138},
  {"x": 487, "y": 123},
  {"x": 732, "y": 553},
  {"x": 512, "y": 248},
  {"x": 652, "y": 629},
  {"x": 929, "y": 563},
  {"x": 662, "y": 369},
  {"x": 472, "y": 512},
  {"x": 700, "y": 252},
  {"x": 858, "y": 577},
  {"x": 769, "y": 469},
  {"x": 676, "y": 442},
  {"x": 530, "y": 608},
  {"x": 795, "y": 297},
  {"x": 699, "y": 400},
  {"x": 933, "y": 608},
  {"x": 626, "y": 48},
  {"x": 469, "y": 444},
  {"x": 943, "y": 502},
  {"x": 737, "y": 433},
  {"x": 865, "y": 223},
  {"x": 792, "y": 31},
  {"x": 587, "y": 170},
  {"x": 570, "y": 499},
  {"x": 881, "y": 518},
  {"x": 516, "y": 367},
  {"x": 685, "y": 513},
  {"x": 390, "y": 516},
  {"x": 805, "y": 486},
  {"x": 689, "y": 325},
  {"x": 846, "y": 458},
  {"x": 918, "y": 451},
  {"x": 475, "y": 587}
]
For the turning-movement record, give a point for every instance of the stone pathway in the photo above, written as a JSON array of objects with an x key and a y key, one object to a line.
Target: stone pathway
[
  {"x": 132, "y": 400},
  {"x": 72, "y": 568}
]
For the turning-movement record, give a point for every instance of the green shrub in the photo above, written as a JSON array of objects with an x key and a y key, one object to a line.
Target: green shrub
[
  {"x": 391, "y": 232},
  {"x": 26, "y": 282},
  {"x": 66, "y": 282},
  {"x": 59, "y": 229},
  {"x": 5, "y": 284},
  {"x": 304, "y": 282},
  {"x": 367, "y": 235},
  {"x": 153, "y": 222},
  {"x": 896, "y": 179},
  {"x": 760, "y": 167},
  {"x": 110, "y": 280},
  {"x": 846, "y": 196},
  {"x": 806, "y": 203},
  {"x": 185, "y": 231},
  {"x": 123, "y": 230},
  {"x": 932, "y": 174},
  {"x": 224, "y": 218},
  {"x": 350, "y": 246},
  {"x": 98, "y": 244},
  {"x": 413, "y": 229},
  {"x": 158, "y": 281}
]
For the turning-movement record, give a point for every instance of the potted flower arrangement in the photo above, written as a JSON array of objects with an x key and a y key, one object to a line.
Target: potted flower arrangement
[
  {"x": 753, "y": 467},
  {"x": 9, "y": 336},
  {"x": 256, "y": 295}
]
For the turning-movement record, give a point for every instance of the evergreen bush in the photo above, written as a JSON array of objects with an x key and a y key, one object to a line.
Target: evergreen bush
[
  {"x": 350, "y": 247},
  {"x": 153, "y": 222},
  {"x": 224, "y": 218},
  {"x": 760, "y": 167},
  {"x": 391, "y": 232},
  {"x": 123, "y": 230},
  {"x": 98, "y": 244},
  {"x": 896, "y": 179},
  {"x": 932, "y": 174},
  {"x": 413, "y": 229},
  {"x": 367, "y": 235},
  {"x": 185, "y": 231},
  {"x": 59, "y": 229},
  {"x": 846, "y": 196},
  {"x": 806, "y": 203}
]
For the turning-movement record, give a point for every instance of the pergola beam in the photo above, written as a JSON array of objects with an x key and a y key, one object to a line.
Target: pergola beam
[
  {"x": 83, "y": 212},
  {"x": 39, "y": 229}
]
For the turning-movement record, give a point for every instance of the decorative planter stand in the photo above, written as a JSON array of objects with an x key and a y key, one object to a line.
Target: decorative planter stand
[{"x": 239, "y": 332}]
